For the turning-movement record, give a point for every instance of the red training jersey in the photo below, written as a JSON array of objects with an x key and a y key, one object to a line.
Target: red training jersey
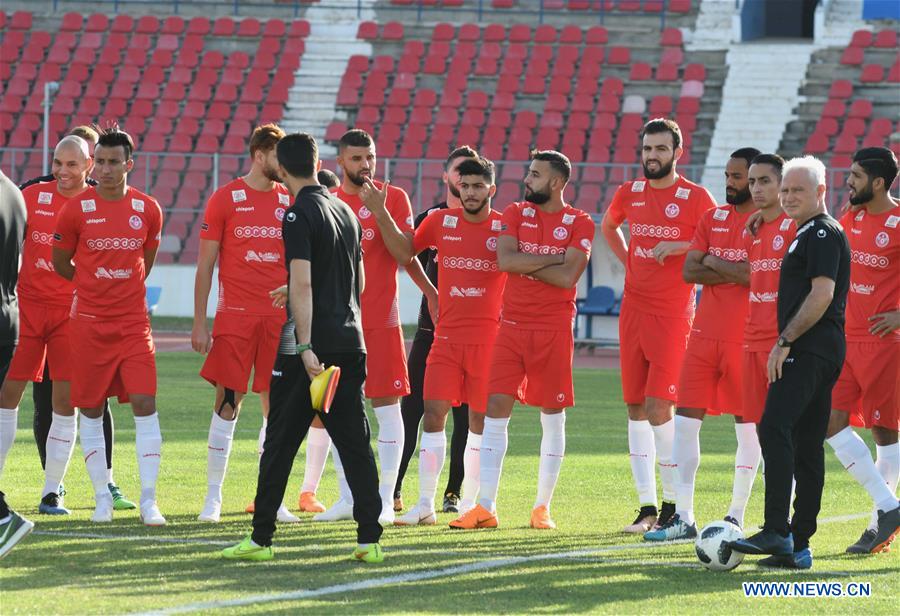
[
  {"x": 470, "y": 285},
  {"x": 723, "y": 307},
  {"x": 109, "y": 239},
  {"x": 380, "y": 304},
  {"x": 38, "y": 281},
  {"x": 764, "y": 252},
  {"x": 658, "y": 215},
  {"x": 247, "y": 225},
  {"x": 874, "y": 271},
  {"x": 529, "y": 303}
]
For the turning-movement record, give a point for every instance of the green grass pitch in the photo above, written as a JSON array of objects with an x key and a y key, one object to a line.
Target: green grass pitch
[{"x": 71, "y": 566}]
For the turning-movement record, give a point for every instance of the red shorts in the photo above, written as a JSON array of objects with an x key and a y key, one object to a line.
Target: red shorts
[
  {"x": 43, "y": 333},
  {"x": 869, "y": 386},
  {"x": 711, "y": 376},
  {"x": 534, "y": 366},
  {"x": 386, "y": 375},
  {"x": 111, "y": 358},
  {"x": 755, "y": 384},
  {"x": 651, "y": 348},
  {"x": 458, "y": 373},
  {"x": 242, "y": 342}
]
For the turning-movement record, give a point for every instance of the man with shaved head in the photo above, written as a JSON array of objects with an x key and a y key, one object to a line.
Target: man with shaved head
[{"x": 44, "y": 300}]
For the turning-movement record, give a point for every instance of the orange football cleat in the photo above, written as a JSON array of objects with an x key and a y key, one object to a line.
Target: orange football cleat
[
  {"x": 540, "y": 518},
  {"x": 477, "y": 517},
  {"x": 309, "y": 503}
]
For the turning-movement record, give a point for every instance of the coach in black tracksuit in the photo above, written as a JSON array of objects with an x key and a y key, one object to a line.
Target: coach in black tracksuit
[
  {"x": 325, "y": 278},
  {"x": 803, "y": 367}
]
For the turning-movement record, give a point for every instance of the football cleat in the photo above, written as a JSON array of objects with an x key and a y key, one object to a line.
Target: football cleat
[
  {"x": 212, "y": 510},
  {"x": 417, "y": 516},
  {"x": 370, "y": 554},
  {"x": 247, "y": 550},
  {"x": 104, "y": 510},
  {"x": 151, "y": 516},
  {"x": 309, "y": 503},
  {"x": 644, "y": 521},
  {"x": 477, "y": 517},
  {"x": 52, "y": 504},
  {"x": 672, "y": 530},
  {"x": 540, "y": 518},
  {"x": 120, "y": 503},
  {"x": 340, "y": 510}
]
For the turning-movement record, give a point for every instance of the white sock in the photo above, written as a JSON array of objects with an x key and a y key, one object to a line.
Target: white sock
[
  {"x": 261, "y": 439},
  {"x": 553, "y": 449},
  {"x": 148, "y": 444},
  {"x": 664, "y": 435},
  {"x": 9, "y": 419},
  {"x": 746, "y": 463},
  {"x": 887, "y": 461},
  {"x": 642, "y": 450},
  {"x": 471, "y": 471},
  {"x": 686, "y": 461},
  {"x": 318, "y": 444},
  {"x": 432, "y": 451},
  {"x": 93, "y": 444},
  {"x": 109, "y": 476},
  {"x": 60, "y": 444},
  {"x": 343, "y": 487},
  {"x": 494, "y": 442},
  {"x": 853, "y": 453},
  {"x": 390, "y": 450},
  {"x": 218, "y": 449}
]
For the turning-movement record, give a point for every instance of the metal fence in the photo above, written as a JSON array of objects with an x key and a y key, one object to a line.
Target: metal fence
[{"x": 183, "y": 182}]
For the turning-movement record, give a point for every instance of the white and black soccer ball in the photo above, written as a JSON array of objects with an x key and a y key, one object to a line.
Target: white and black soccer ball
[{"x": 712, "y": 548}]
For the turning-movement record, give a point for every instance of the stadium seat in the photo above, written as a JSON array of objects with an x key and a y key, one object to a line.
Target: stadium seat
[
  {"x": 599, "y": 301},
  {"x": 852, "y": 56},
  {"x": 886, "y": 39},
  {"x": 861, "y": 38},
  {"x": 393, "y": 31},
  {"x": 71, "y": 22},
  {"x": 367, "y": 31},
  {"x": 872, "y": 73}
]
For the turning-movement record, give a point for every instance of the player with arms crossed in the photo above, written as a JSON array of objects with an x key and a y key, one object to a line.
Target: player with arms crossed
[
  {"x": 544, "y": 246},
  {"x": 663, "y": 211},
  {"x": 868, "y": 391},
  {"x": 106, "y": 242}
]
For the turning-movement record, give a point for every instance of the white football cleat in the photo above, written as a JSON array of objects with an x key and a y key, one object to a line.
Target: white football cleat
[
  {"x": 151, "y": 515},
  {"x": 419, "y": 515},
  {"x": 104, "y": 510},
  {"x": 283, "y": 515},
  {"x": 212, "y": 510},
  {"x": 341, "y": 510}
]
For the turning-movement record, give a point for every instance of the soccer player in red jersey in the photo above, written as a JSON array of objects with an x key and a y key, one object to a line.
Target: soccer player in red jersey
[
  {"x": 241, "y": 230},
  {"x": 663, "y": 211},
  {"x": 544, "y": 246},
  {"x": 106, "y": 241},
  {"x": 44, "y": 303},
  {"x": 710, "y": 378},
  {"x": 868, "y": 390},
  {"x": 470, "y": 285},
  {"x": 387, "y": 379}
]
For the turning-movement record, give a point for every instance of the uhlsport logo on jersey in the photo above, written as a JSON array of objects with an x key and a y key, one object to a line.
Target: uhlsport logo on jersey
[
  {"x": 777, "y": 242},
  {"x": 135, "y": 222},
  {"x": 560, "y": 233},
  {"x": 45, "y": 198},
  {"x": 491, "y": 244},
  {"x": 882, "y": 239},
  {"x": 279, "y": 213},
  {"x": 672, "y": 210},
  {"x": 364, "y": 212}
]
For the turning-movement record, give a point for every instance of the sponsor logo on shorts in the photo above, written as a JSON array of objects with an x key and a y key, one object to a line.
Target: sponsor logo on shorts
[
  {"x": 137, "y": 205},
  {"x": 528, "y": 212},
  {"x": 682, "y": 193},
  {"x": 777, "y": 242},
  {"x": 42, "y": 238},
  {"x": 720, "y": 214},
  {"x": 496, "y": 225},
  {"x": 491, "y": 244},
  {"x": 729, "y": 254},
  {"x": 560, "y": 397},
  {"x": 257, "y": 231},
  {"x": 766, "y": 297},
  {"x": 882, "y": 239},
  {"x": 45, "y": 198},
  {"x": 568, "y": 219},
  {"x": 672, "y": 389},
  {"x": 862, "y": 289},
  {"x": 865, "y": 258},
  {"x": 765, "y": 265},
  {"x": 95, "y": 221},
  {"x": 115, "y": 243},
  {"x": 279, "y": 214},
  {"x": 262, "y": 257},
  {"x": 135, "y": 222},
  {"x": 560, "y": 233},
  {"x": 43, "y": 264},
  {"x": 88, "y": 205},
  {"x": 465, "y": 263},
  {"x": 284, "y": 199},
  {"x": 785, "y": 224},
  {"x": 238, "y": 195},
  {"x": 638, "y": 186},
  {"x": 450, "y": 222},
  {"x": 368, "y": 235},
  {"x": 658, "y": 231},
  {"x": 398, "y": 384},
  {"x": 467, "y": 292},
  {"x": 672, "y": 210},
  {"x": 113, "y": 274},
  {"x": 876, "y": 414},
  {"x": 364, "y": 213},
  {"x": 892, "y": 221}
]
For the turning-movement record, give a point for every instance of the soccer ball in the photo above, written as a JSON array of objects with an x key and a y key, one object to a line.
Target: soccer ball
[{"x": 712, "y": 549}]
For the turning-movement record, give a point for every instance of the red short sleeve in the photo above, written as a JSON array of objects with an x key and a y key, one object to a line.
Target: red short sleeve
[
  {"x": 425, "y": 236},
  {"x": 700, "y": 241},
  {"x": 400, "y": 209},
  {"x": 616, "y": 211},
  {"x": 214, "y": 218},
  {"x": 510, "y": 221},
  {"x": 583, "y": 234},
  {"x": 67, "y": 226},
  {"x": 154, "y": 229},
  {"x": 704, "y": 203}
]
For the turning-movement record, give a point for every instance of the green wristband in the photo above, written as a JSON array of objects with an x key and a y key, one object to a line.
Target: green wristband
[{"x": 303, "y": 347}]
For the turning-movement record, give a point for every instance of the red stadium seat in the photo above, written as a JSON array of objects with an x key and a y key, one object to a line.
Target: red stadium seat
[
  {"x": 667, "y": 72},
  {"x": 71, "y": 22},
  {"x": 274, "y": 28},
  {"x": 223, "y": 26},
  {"x": 641, "y": 71},
  {"x": 367, "y": 31},
  {"x": 545, "y": 34},
  {"x": 494, "y": 33},
  {"x": 817, "y": 143},
  {"x": 852, "y": 56},
  {"x": 596, "y": 35},
  {"x": 393, "y": 31},
  {"x": 833, "y": 109},
  {"x": 619, "y": 55},
  {"x": 299, "y": 29},
  {"x": 173, "y": 24},
  {"x": 98, "y": 22},
  {"x": 122, "y": 24},
  {"x": 872, "y": 73},
  {"x": 199, "y": 25},
  {"x": 520, "y": 33},
  {"x": 841, "y": 88},
  {"x": 443, "y": 32},
  {"x": 861, "y": 38},
  {"x": 860, "y": 108},
  {"x": 886, "y": 39},
  {"x": 21, "y": 20},
  {"x": 695, "y": 72},
  {"x": 147, "y": 24},
  {"x": 469, "y": 33}
]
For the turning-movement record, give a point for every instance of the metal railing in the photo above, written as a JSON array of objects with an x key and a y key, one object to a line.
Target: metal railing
[{"x": 482, "y": 10}]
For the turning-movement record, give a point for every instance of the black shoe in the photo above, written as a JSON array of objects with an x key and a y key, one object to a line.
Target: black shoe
[
  {"x": 765, "y": 542},
  {"x": 862, "y": 544},
  {"x": 451, "y": 503},
  {"x": 888, "y": 527},
  {"x": 665, "y": 514},
  {"x": 731, "y": 520},
  {"x": 798, "y": 560}
]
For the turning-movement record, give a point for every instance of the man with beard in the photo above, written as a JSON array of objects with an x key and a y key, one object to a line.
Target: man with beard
[
  {"x": 663, "y": 211},
  {"x": 241, "y": 230},
  {"x": 710, "y": 378},
  {"x": 868, "y": 390},
  {"x": 470, "y": 287},
  {"x": 544, "y": 246},
  {"x": 386, "y": 379}
]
